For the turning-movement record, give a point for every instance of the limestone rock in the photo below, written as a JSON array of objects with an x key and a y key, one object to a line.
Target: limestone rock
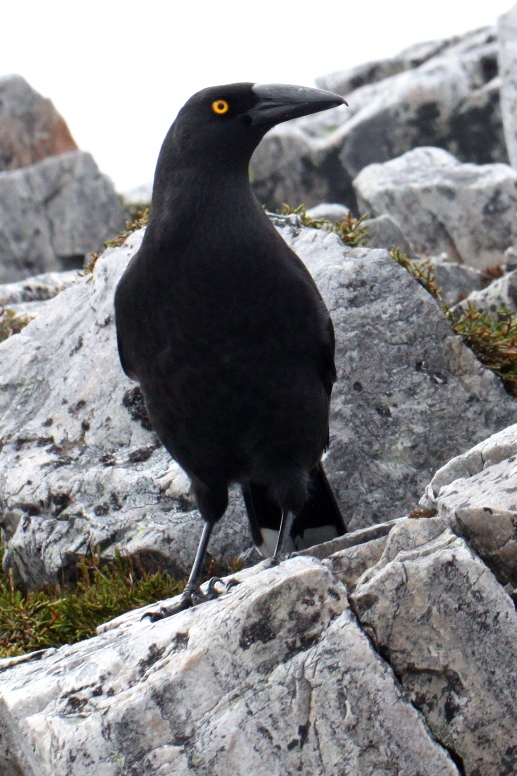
[
  {"x": 500, "y": 293},
  {"x": 53, "y": 213},
  {"x": 347, "y": 81},
  {"x": 466, "y": 211},
  {"x": 444, "y": 93},
  {"x": 385, "y": 232},
  {"x": 507, "y": 40},
  {"x": 38, "y": 288},
  {"x": 30, "y": 127},
  {"x": 80, "y": 467},
  {"x": 290, "y": 684},
  {"x": 331, "y": 211},
  {"x": 456, "y": 281},
  {"x": 291, "y": 167},
  {"x": 475, "y": 493},
  {"x": 416, "y": 675},
  {"x": 449, "y": 632}
]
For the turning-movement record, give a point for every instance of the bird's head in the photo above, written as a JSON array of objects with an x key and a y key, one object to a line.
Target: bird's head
[{"x": 227, "y": 122}]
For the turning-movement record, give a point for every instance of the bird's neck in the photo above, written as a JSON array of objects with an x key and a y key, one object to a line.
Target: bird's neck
[{"x": 184, "y": 196}]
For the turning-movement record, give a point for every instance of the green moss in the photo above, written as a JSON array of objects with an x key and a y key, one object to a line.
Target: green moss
[
  {"x": 11, "y": 322},
  {"x": 141, "y": 219},
  {"x": 53, "y": 616}
]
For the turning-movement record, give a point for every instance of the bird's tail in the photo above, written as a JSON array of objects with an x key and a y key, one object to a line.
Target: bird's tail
[{"x": 318, "y": 521}]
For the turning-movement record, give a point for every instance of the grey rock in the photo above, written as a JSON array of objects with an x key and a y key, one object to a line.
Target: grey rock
[
  {"x": 449, "y": 632},
  {"x": 506, "y": 36},
  {"x": 38, "y": 288},
  {"x": 475, "y": 493},
  {"x": 53, "y": 214},
  {"x": 79, "y": 468},
  {"x": 290, "y": 167},
  {"x": 456, "y": 281},
  {"x": 445, "y": 95},
  {"x": 500, "y": 293},
  {"x": 290, "y": 684},
  {"x": 331, "y": 211},
  {"x": 347, "y": 81},
  {"x": 463, "y": 210},
  {"x": 510, "y": 255},
  {"x": 384, "y": 232},
  {"x": 476, "y": 127}
]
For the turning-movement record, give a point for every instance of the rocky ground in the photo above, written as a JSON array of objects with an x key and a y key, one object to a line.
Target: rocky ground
[{"x": 390, "y": 650}]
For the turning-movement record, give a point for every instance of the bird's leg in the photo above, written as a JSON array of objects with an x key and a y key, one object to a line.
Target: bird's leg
[
  {"x": 285, "y": 530},
  {"x": 192, "y": 593}
]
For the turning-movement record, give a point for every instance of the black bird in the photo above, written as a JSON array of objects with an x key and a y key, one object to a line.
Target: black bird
[{"x": 225, "y": 330}]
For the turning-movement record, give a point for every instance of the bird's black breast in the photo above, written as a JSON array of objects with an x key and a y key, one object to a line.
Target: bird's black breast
[{"x": 228, "y": 336}]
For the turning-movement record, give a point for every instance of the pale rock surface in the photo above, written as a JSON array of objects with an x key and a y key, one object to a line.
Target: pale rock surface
[
  {"x": 38, "y": 288},
  {"x": 53, "y": 213},
  {"x": 500, "y": 293},
  {"x": 507, "y": 50},
  {"x": 30, "y": 127},
  {"x": 394, "y": 652},
  {"x": 464, "y": 210},
  {"x": 476, "y": 493},
  {"x": 331, "y": 211},
  {"x": 291, "y": 167},
  {"x": 80, "y": 467},
  {"x": 346, "y": 81},
  {"x": 385, "y": 232},
  {"x": 277, "y": 677},
  {"x": 443, "y": 93},
  {"x": 449, "y": 632},
  {"x": 456, "y": 281}
]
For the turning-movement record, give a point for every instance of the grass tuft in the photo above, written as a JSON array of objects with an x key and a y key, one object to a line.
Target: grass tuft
[{"x": 53, "y": 616}]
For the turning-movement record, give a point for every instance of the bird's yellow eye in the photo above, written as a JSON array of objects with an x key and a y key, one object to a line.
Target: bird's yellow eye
[{"x": 220, "y": 106}]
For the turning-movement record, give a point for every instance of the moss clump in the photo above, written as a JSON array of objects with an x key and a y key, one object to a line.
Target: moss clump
[
  {"x": 352, "y": 231},
  {"x": 141, "y": 219},
  {"x": 491, "y": 337},
  {"x": 12, "y": 322},
  {"x": 53, "y": 616}
]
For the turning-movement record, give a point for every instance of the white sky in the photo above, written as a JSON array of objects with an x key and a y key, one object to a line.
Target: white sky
[{"x": 118, "y": 71}]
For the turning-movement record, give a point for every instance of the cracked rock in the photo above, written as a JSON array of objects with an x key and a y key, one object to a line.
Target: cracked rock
[
  {"x": 276, "y": 677},
  {"x": 476, "y": 493},
  {"x": 449, "y": 632},
  {"x": 465, "y": 211},
  {"x": 53, "y": 214}
]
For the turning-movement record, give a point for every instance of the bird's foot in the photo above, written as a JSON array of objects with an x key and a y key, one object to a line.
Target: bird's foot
[{"x": 191, "y": 596}]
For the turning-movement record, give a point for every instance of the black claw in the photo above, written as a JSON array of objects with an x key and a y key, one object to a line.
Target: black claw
[
  {"x": 211, "y": 590},
  {"x": 231, "y": 583}
]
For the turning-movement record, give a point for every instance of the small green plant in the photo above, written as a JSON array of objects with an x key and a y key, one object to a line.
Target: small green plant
[
  {"x": 12, "y": 322},
  {"x": 141, "y": 219},
  {"x": 491, "y": 337},
  {"x": 57, "y": 615},
  {"x": 352, "y": 231},
  {"x": 423, "y": 272}
]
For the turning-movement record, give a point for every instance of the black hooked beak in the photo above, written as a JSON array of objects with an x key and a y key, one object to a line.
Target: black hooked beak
[{"x": 278, "y": 102}]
